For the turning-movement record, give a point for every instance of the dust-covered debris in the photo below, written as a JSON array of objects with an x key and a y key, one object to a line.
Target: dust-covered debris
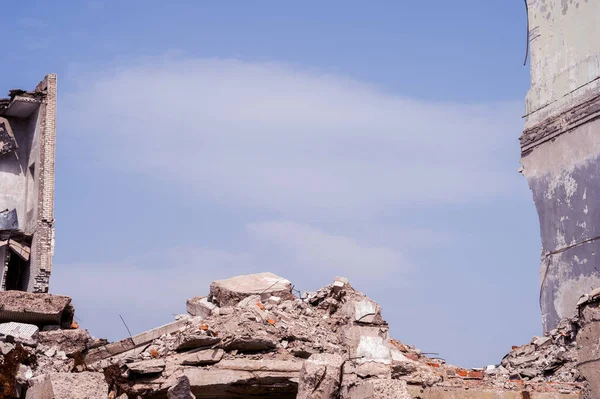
[{"x": 332, "y": 343}]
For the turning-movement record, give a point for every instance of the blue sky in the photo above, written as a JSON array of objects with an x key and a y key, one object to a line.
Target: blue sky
[{"x": 198, "y": 140}]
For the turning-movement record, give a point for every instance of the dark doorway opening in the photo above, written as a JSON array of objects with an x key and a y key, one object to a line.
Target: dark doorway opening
[{"x": 16, "y": 272}]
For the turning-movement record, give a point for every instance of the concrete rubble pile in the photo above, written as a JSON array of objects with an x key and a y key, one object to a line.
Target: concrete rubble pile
[{"x": 253, "y": 337}]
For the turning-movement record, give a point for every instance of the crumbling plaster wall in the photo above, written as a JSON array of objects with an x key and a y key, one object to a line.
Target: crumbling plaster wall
[
  {"x": 17, "y": 185},
  {"x": 561, "y": 149},
  {"x": 564, "y": 40}
]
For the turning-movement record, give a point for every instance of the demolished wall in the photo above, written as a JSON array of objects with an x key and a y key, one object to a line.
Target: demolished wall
[
  {"x": 560, "y": 148},
  {"x": 27, "y": 143}
]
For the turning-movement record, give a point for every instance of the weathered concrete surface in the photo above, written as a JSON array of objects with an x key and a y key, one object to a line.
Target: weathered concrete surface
[
  {"x": 86, "y": 385},
  {"x": 379, "y": 388},
  {"x": 483, "y": 393},
  {"x": 320, "y": 377},
  {"x": 564, "y": 54},
  {"x": 203, "y": 357},
  {"x": 200, "y": 306},
  {"x": 560, "y": 148},
  {"x": 138, "y": 340},
  {"x": 19, "y": 330},
  {"x": 241, "y": 383},
  {"x": 68, "y": 341},
  {"x": 563, "y": 178},
  {"x": 231, "y": 291},
  {"x": 147, "y": 367},
  {"x": 38, "y": 309},
  {"x": 588, "y": 348},
  {"x": 181, "y": 389},
  {"x": 40, "y": 388}
]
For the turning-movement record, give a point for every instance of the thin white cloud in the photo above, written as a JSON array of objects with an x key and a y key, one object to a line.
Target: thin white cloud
[
  {"x": 310, "y": 249},
  {"x": 290, "y": 140}
]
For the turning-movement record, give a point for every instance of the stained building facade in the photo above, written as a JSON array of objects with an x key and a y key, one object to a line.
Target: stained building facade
[
  {"x": 27, "y": 145},
  {"x": 560, "y": 148}
]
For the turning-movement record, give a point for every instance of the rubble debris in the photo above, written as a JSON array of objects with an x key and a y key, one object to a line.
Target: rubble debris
[
  {"x": 18, "y": 330},
  {"x": 200, "y": 306},
  {"x": 137, "y": 341},
  {"x": 70, "y": 342},
  {"x": 320, "y": 376},
  {"x": 40, "y": 388},
  {"x": 7, "y": 138},
  {"x": 196, "y": 340},
  {"x": 203, "y": 357},
  {"x": 333, "y": 343},
  {"x": 181, "y": 389},
  {"x": 377, "y": 388},
  {"x": 85, "y": 385},
  {"x": 36, "y": 308},
  {"x": 147, "y": 367},
  {"x": 588, "y": 336},
  {"x": 231, "y": 291}
]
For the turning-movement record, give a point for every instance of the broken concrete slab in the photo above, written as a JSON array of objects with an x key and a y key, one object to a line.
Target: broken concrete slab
[
  {"x": 320, "y": 377},
  {"x": 19, "y": 330},
  {"x": 485, "y": 393},
  {"x": 369, "y": 344},
  {"x": 377, "y": 388},
  {"x": 203, "y": 357},
  {"x": 127, "y": 344},
  {"x": 200, "y": 306},
  {"x": 286, "y": 366},
  {"x": 198, "y": 340},
  {"x": 365, "y": 311},
  {"x": 85, "y": 385},
  {"x": 247, "y": 343},
  {"x": 40, "y": 388},
  {"x": 181, "y": 389},
  {"x": 231, "y": 291},
  {"x": 68, "y": 341},
  {"x": 147, "y": 367},
  {"x": 35, "y": 308},
  {"x": 239, "y": 384}
]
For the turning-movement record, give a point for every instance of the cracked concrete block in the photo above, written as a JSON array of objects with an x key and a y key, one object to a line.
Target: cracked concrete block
[
  {"x": 204, "y": 357},
  {"x": 231, "y": 291},
  {"x": 68, "y": 341},
  {"x": 19, "y": 330},
  {"x": 200, "y": 306},
  {"x": 85, "y": 385},
  {"x": 369, "y": 344},
  {"x": 378, "y": 388},
  {"x": 193, "y": 341},
  {"x": 320, "y": 377},
  {"x": 246, "y": 343},
  {"x": 181, "y": 389},
  {"x": 39, "y": 309},
  {"x": 145, "y": 367},
  {"x": 40, "y": 388}
]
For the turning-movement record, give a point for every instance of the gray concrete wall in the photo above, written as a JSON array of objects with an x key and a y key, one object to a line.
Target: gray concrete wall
[
  {"x": 14, "y": 172},
  {"x": 564, "y": 54},
  {"x": 561, "y": 149}
]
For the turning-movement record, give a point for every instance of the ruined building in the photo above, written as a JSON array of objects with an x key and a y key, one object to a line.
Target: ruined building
[
  {"x": 560, "y": 147},
  {"x": 27, "y": 141}
]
